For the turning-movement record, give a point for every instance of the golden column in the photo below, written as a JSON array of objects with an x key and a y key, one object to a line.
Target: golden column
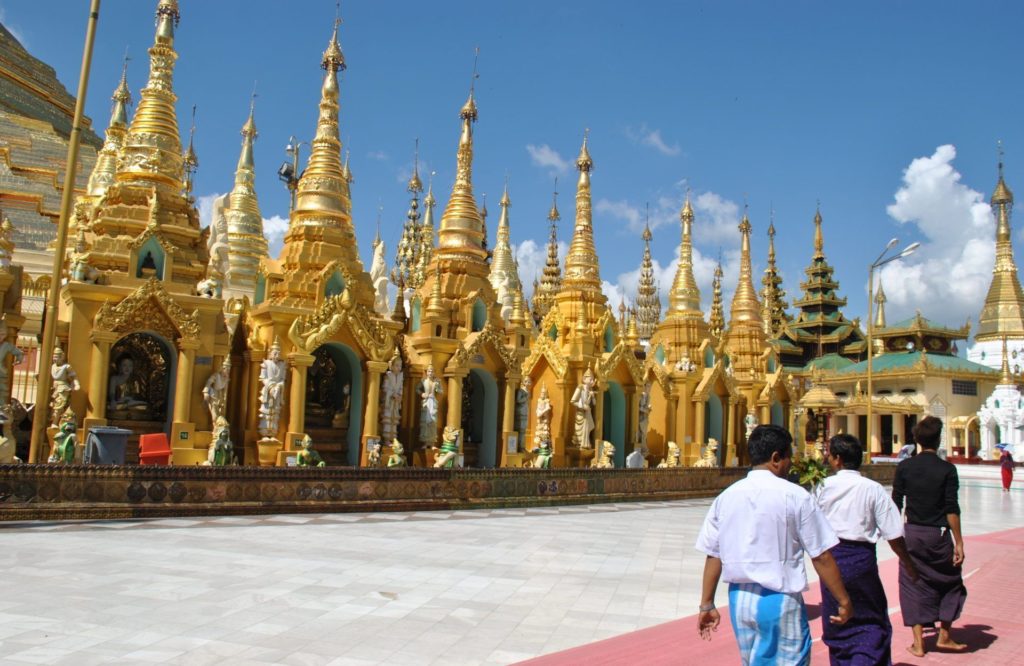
[
  {"x": 183, "y": 380},
  {"x": 698, "y": 431},
  {"x": 454, "y": 416},
  {"x": 730, "y": 436},
  {"x": 508, "y": 416},
  {"x": 99, "y": 371},
  {"x": 371, "y": 418},
  {"x": 299, "y": 363}
]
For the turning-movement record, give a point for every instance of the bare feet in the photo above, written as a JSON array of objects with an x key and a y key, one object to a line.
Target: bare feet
[
  {"x": 948, "y": 643},
  {"x": 916, "y": 650}
]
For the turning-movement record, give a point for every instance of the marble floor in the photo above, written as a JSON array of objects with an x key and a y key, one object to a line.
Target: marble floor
[{"x": 471, "y": 587}]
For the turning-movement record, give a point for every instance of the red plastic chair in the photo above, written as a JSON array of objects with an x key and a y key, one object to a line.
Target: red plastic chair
[{"x": 154, "y": 449}]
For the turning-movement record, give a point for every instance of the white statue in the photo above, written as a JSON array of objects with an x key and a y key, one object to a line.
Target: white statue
[
  {"x": 209, "y": 287},
  {"x": 429, "y": 390},
  {"x": 65, "y": 380},
  {"x": 605, "y": 456},
  {"x": 215, "y": 393},
  {"x": 390, "y": 414},
  {"x": 584, "y": 400},
  {"x": 684, "y": 364},
  {"x": 218, "y": 241},
  {"x": 750, "y": 421},
  {"x": 710, "y": 457},
  {"x": 7, "y": 348},
  {"x": 80, "y": 269},
  {"x": 273, "y": 373},
  {"x": 644, "y": 419},
  {"x": 379, "y": 278},
  {"x": 542, "y": 431},
  {"x": 522, "y": 407}
]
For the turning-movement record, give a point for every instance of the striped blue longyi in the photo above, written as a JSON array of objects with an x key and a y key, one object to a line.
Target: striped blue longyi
[{"x": 771, "y": 627}]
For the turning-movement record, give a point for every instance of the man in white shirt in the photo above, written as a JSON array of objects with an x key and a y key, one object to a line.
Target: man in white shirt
[
  {"x": 861, "y": 512},
  {"x": 755, "y": 537}
]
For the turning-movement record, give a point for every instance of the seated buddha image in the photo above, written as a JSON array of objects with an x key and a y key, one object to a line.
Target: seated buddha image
[{"x": 126, "y": 390}]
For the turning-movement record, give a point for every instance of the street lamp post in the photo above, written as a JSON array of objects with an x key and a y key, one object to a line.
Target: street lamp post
[
  {"x": 288, "y": 173},
  {"x": 882, "y": 260}
]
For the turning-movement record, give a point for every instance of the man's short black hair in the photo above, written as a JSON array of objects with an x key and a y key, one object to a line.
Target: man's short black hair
[
  {"x": 928, "y": 433},
  {"x": 848, "y": 449},
  {"x": 766, "y": 440}
]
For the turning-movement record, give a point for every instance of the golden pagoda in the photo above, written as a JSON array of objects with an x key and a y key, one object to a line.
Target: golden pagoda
[
  {"x": 690, "y": 384},
  {"x": 472, "y": 353},
  {"x": 103, "y": 173},
  {"x": 318, "y": 312},
  {"x": 141, "y": 339},
  {"x": 579, "y": 345}
]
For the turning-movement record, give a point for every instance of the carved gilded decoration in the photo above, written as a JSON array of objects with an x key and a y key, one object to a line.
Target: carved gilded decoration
[
  {"x": 308, "y": 333},
  {"x": 149, "y": 307},
  {"x": 488, "y": 336}
]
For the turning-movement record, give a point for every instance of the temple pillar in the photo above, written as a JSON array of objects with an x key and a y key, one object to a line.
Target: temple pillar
[
  {"x": 730, "y": 436},
  {"x": 508, "y": 425},
  {"x": 633, "y": 421},
  {"x": 599, "y": 416},
  {"x": 299, "y": 363},
  {"x": 454, "y": 416},
  {"x": 371, "y": 418},
  {"x": 99, "y": 371},
  {"x": 182, "y": 428}
]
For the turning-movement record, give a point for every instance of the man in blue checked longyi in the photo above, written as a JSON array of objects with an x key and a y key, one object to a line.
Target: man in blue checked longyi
[{"x": 755, "y": 536}]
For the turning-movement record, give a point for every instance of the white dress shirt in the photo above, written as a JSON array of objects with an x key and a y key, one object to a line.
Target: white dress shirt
[
  {"x": 857, "y": 508},
  {"x": 760, "y": 528}
]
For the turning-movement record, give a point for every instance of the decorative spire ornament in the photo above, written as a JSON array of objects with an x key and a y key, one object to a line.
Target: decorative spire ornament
[
  {"x": 684, "y": 297},
  {"x": 773, "y": 297},
  {"x": 551, "y": 280},
  {"x": 246, "y": 243},
  {"x": 582, "y": 269},
  {"x": 716, "y": 319},
  {"x": 648, "y": 302},
  {"x": 880, "y": 307},
  {"x": 104, "y": 172},
  {"x": 503, "y": 275},
  {"x": 746, "y": 310}
]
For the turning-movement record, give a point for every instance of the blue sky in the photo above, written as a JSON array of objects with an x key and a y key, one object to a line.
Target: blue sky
[{"x": 888, "y": 113}]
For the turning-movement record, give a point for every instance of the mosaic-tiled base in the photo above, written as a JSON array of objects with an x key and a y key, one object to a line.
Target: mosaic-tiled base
[{"x": 50, "y": 492}]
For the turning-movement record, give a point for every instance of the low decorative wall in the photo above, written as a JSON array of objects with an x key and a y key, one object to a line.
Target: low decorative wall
[{"x": 51, "y": 492}]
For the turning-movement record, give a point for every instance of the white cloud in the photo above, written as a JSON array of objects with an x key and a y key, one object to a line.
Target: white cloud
[
  {"x": 532, "y": 256},
  {"x": 547, "y": 157},
  {"x": 715, "y": 219},
  {"x": 378, "y": 155},
  {"x": 652, "y": 139},
  {"x": 205, "y": 206},
  {"x": 274, "y": 229},
  {"x": 953, "y": 267}
]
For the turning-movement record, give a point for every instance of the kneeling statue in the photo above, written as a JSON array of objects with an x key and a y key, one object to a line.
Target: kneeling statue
[
  {"x": 222, "y": 450},
  {"x": 307, "y": 456},
  {"x": 544, "y": 454},
  {"x": 397, "y": 457},
  {"x": 448, "y": 456},
  {"x": 65, "y": 441}
]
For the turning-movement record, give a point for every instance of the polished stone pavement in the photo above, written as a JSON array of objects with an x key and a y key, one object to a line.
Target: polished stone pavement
[{"x": 471, "y": 587}]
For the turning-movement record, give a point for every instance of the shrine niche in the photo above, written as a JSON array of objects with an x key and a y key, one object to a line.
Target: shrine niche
[
  {"x": 138, "y": 388},
  {"x": 333, "y": 402}
]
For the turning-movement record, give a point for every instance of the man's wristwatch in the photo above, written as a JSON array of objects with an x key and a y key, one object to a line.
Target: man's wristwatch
[{"x": 705, "y": 609}]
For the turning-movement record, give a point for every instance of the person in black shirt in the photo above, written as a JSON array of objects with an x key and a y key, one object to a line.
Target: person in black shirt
[{"x": 929, "y": 485}]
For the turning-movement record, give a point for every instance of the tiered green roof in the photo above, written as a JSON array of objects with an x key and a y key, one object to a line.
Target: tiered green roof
[{"x": 820, "y": 329}]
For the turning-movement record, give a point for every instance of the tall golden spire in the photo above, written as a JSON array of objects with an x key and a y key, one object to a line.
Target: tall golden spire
[
  {"x": 321, "y": 198},
  {"x": 880, "y": 307},
  {"x": 819, "y": 238},
  {"x": 716, "y": 319},
  {"x": 773, "y": 297},
  {"x": 106, "y": 161},
  {"x": 582, "y": 270},
  {"x": 1003, "y": 312},
  {"x": 246, "y": 242},
  {"x": 551, "y": 277},
  {"x": 462, "y": 228},
  {"x": 190, "y": 161},
  {"x": 152, "y": 149},
  {"x": 745, "y": 308},
  {"x": 648, "y": 302},
  {"x": 684, "y": 298},
  {"x": 503, "y": 270},
  {"x": 1006, "y": 379}
]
